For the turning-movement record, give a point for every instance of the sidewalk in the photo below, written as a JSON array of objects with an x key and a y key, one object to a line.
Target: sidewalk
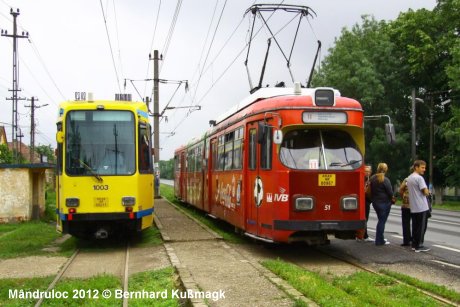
[{"x": 206, "y": 263}]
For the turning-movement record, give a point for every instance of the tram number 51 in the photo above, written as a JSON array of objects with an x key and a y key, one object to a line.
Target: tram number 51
[
  {"x": 100, "y": 187},
  {"x": 327, "y": 207}
]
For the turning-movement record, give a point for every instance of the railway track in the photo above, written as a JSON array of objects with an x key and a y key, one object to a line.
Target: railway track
[
  {"x": 364, "y": 268},
  {"x": 72, "y": 260},
  {"x": 324, "y": 261}
]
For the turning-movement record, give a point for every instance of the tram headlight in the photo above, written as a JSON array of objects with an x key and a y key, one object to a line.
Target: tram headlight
[
  {"x": 128, "y": 201},
  {"x": 304, "y": 203},
  {"x": 72, "y": 202},
  {"x": 349, "y": 203}
]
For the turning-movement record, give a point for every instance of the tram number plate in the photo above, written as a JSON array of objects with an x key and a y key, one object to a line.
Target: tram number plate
[
  {"x": 326, "y": 180},
  {"x": 101, "y": 202}
]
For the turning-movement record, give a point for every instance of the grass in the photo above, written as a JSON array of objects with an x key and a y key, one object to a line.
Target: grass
[
  {"x": 25, "y": 239},
  {"x": 441, "y": 291},
  {"x": 448, "y": 205},
  {"x": 358, "y": 289},
  {"x": 50, "y": 206},
  {"x": 221, "y": 227},
  {"x": 88, "y": 292},
  {"x": 161, "y": 282},
  {"x": 26, "y": 284}
]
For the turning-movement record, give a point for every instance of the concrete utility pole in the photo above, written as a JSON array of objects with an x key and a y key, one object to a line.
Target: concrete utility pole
[
  {"x": 15, "y": 89},
  {"x": 156, "y": 118},
  {"x": 32, "y": 126}
]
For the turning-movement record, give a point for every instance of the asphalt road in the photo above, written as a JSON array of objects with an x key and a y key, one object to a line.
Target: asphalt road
[
  {"x": 443, "y": 233},
  {"x": 443, "y": 230}
]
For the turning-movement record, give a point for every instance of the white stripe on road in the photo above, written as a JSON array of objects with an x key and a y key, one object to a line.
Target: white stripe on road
[
  {"x": 448, "y": 264},
  {"x": 448, "y": 248}
]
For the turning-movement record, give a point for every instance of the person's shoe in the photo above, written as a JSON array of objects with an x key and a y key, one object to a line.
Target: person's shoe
[
  {"x": 359, "y": 240},
  {"x": 405, "y": 244},
  {"x": 422, "y": 249},
  {"x": 369, "y": 239},
  {"x": 387, "y": 242}
]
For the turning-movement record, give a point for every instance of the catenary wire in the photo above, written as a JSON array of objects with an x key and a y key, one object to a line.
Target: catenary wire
[{"x": 110, "y": 46}]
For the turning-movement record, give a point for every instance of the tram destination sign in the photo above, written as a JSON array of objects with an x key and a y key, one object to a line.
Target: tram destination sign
[{"x": 324, "y": 117}]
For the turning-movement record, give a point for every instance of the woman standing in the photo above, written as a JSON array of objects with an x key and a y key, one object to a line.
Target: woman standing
[{"x": 381, "y": 195}]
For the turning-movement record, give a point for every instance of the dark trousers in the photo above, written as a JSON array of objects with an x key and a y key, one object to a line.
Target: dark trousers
[
  {"x": 419, "y": 224},
  {"x": 382, "y": 210},
  {"x": 368, "y": 209},
  {"x": 405, "y": 220}
]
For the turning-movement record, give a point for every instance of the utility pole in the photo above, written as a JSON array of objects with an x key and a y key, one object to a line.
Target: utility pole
[
  {"x": 32, "y": 126},
  {"x": 15, "y": 89},
  {"x": 156, "y": 119},
  {"x": 413, "y": 148}
]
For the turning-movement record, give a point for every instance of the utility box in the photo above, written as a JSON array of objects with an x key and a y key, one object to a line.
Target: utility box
[{"x": 22, "y": 191}]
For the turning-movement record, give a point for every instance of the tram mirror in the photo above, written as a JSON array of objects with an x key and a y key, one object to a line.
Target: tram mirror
[
  {"x": 277, "y": 137},
  {"x": 60, "y": 137},
  {"x": 390, "y": 133}
]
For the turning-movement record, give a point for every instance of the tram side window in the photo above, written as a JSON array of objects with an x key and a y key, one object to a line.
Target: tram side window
[
  {"x": 221, "y": 153},
  {"x": 238, "y": 149},
  {"x": 198, "y": 158},
  {"x": 229, "y": 150},
  {"x": 266, "y": 149},
  {"x": 252, "y": 148},
  {"x": 145, "y": 158},
  {"x": 190, "y": 161},
  {"x": 177, "y": 163}
]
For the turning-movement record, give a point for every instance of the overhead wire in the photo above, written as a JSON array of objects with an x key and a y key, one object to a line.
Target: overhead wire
[
  {"x": 199, "y": 102},
  {"x": 118, "y": 38},
  {"x": 171, "y": 32},
  {"x": 209, "y": 50},
  {"x": 151, "y": 44},
  {"x": 42, "y": 62},
  {"x": 110, "y": 46}
]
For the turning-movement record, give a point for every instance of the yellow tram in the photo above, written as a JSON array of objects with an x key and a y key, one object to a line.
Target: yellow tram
[{"x": 104, "y": 178}]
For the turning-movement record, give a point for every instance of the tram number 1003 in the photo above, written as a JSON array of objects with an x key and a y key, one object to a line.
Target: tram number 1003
[{"x": 100, "y": 187}]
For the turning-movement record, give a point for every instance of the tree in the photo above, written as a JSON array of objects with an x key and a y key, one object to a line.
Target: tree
[
  {"x": 6, "y": 155},
  {"x": 167, "y": 169},
  {"x": 379, "y": 63},
  {"x": 450, "y": 131},
  {"x": 46, "y": 150}
]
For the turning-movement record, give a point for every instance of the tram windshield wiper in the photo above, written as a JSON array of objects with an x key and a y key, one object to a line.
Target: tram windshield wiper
[{"x": 95, "y": 174}]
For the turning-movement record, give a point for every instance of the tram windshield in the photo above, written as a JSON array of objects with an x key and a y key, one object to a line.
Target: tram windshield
[
  {"x": 312, "y": 149},
  {"x": 100, "y": 143}
]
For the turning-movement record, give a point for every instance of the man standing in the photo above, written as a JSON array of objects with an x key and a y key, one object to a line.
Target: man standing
[{"x": 418, "y": 191}]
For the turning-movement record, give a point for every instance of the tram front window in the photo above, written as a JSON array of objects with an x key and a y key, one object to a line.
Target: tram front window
[
  {"x": 309, "y": 149},
  {"x": 100, "y": 143}
]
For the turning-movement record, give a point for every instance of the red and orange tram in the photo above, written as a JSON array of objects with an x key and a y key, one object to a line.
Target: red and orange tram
[{"x": 284, "y": 165}]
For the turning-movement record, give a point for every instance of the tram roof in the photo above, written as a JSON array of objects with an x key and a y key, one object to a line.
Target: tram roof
[{"x": 268, "y": 92}]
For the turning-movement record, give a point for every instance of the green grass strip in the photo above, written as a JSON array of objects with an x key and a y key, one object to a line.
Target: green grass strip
[
  {"x": 439, "y": 290},
  {"x": 10, "y": 289},
  {"x": 159, "y": 284},
  {"x": 358, "y": 289},
  {"x": 27, "y": 239},
  {"x": 311, "y": 284},
  {"x": 379, "y": 290}
]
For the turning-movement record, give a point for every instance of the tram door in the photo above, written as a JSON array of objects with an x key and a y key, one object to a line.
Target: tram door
[{"x": 258, "y": 211}]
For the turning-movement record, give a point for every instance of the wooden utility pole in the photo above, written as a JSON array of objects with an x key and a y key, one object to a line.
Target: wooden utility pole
[
  {"x": 32, "y": 126},
  {"x": 15, "y": 90}
]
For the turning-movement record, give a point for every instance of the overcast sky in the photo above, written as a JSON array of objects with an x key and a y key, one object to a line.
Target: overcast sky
[{"x": 68, "y": 50}]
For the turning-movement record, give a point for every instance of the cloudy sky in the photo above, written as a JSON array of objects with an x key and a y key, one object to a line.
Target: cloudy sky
[{"x": 93, "y": 46}]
